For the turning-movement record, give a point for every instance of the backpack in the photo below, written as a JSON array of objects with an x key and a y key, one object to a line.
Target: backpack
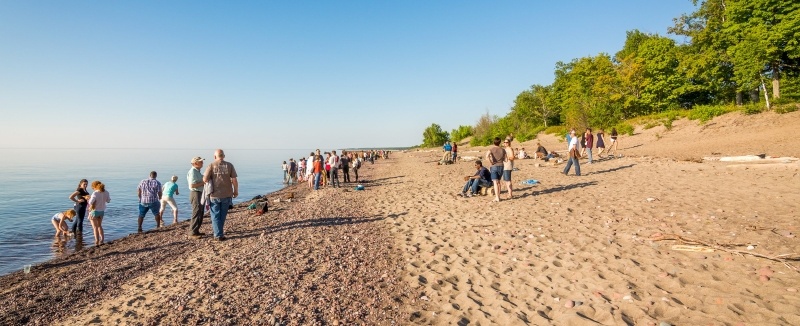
[{"x": 261, "y": 207}]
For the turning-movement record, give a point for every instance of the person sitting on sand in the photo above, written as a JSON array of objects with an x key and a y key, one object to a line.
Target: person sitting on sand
[
  {"x": 481, "y": 178},
  {"x": 521, "y": 154},
  {"x": 59, "y": 222},
  {"x": 542, "y": 153}
]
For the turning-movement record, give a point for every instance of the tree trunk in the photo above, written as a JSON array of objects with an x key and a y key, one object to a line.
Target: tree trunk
[
  {"x": 739, "y": 98},
  {"x": 754, "y": 96},
  {"x": 776, "y": 82}
]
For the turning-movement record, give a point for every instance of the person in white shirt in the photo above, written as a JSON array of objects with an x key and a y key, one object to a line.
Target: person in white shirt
[{"x": 574, "y": 153}]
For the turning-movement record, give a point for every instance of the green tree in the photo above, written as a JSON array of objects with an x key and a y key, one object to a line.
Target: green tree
[
  {"x": 765, "y": 40},
  {"x": 461, "y": 132},
  {"x": 582, "y": 89},
  {"x": 434, "y": 136}
]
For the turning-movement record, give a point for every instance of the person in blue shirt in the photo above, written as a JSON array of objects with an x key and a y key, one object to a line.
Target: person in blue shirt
[
  {"x": 167, "y": 198},
  {"x": 481, "y": 178},
  {"x": 448, "y": 152}
]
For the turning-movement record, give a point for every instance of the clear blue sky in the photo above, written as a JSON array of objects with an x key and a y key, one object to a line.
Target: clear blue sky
[{"x": 293, "y": 74}]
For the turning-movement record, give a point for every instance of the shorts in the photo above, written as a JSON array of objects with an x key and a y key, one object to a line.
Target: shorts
[
  {"x": 96, "y": 214},
  {"x": 143, "y": 207},
  {"x": 506, "y": 175},
  {"x": 496, "y": 172},
  {"x": 170, "y": 201}
]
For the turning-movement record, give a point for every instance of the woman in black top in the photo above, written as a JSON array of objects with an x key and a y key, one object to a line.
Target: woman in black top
[
  {"x": 81, "y": 198},
  {"x": 614, "y": 142}
]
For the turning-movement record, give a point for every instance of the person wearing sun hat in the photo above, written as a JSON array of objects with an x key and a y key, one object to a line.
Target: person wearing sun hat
[{"x": 195, "y": 180}]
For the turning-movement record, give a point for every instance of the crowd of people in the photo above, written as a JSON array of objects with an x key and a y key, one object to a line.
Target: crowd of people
[
  {"x": 321, "y": 170},
  {"x": 214, "y": 188},
  {"x": 501, "y": 160}
]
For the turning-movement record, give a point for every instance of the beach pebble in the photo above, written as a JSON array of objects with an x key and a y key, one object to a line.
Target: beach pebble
[
  {"x": 763, "y": 278},
  {"x": 627, "y": 297},
  {"x": 791, "y": 290},
  {"x": 662, "y": 275},
  {"x": 650, "y": 199},
  {"x": 424, "y": 298},
  {"x": 663, "y": 323},
  {"x": 765, "y": 271},
  {"x": 569, "y": 304},
  {"x": 751, "y": 247}
]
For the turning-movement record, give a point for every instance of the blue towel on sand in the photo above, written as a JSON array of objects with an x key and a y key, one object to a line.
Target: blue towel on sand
[{"x": 530, "y": 182}]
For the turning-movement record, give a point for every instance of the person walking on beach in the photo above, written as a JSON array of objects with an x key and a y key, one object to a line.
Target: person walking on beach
[
  {"x": 614, "y": 143},
  {"x": 149, "y": 193},
  {"x": 601, "y": 144},
  {"x": 496, "y": 156},
  {"x": 81, "y": 198},
  {"x": 222, "y": 176},
  {"x": 301, "y": 169},
  {"x": 574, "y": 154},
  {"x": 195, "y": 180},
  {"x": 167, "y": 198},
  {"x": 97, "y": 209},
  {"x": 589, "y": 143},
  {"x": 455, "y": 152},
  {"x": 59, "y": 222},
  {"x": 508, "y": 166}
]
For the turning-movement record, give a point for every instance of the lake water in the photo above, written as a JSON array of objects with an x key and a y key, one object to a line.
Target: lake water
[{"x": 35, "y": 184}]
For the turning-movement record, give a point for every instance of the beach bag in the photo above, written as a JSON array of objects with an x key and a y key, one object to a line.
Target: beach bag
[{"x": 261, "y": 207}]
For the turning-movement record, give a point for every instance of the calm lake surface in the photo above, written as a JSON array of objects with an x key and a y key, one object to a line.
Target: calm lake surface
[{"x": 35, "y": 184}]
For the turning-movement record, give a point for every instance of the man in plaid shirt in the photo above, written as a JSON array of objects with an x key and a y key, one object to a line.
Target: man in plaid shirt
[{"x": 150, "y": 199}]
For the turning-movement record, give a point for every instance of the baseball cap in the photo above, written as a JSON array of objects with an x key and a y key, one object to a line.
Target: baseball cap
[{"x": 197, "y": 159}]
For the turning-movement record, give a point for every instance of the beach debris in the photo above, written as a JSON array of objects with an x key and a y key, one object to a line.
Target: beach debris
[
  {"x": 696, "y": 244},
  {"x": 651, "y": 199},
  {"x": 751, "y": 247}
]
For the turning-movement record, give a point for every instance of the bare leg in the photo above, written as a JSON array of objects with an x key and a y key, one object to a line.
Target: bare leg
[
  {"x": 508, "y": 186},
  {"x": 496, "y": 184},
  {"x": 174, "y": 216},
  {"x": 95, "y": 230}
]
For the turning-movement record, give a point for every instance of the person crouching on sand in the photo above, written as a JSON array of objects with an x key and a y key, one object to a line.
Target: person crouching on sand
[
  {"x": 97, "y": 208},
  {"x": 59, "y": 222}
]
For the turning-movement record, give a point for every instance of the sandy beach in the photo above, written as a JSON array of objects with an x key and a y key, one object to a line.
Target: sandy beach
[{"x": 659, "y": 235}]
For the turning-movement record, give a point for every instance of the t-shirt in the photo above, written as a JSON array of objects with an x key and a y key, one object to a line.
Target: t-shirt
[
  {"x": 292, "y": 166},
  {"x": 508, "y": 164},
  {"x": 345, "y": 162},
  {"x": 169, "y": 189},
  {"x": 150, "y": 189},
  {"x": 455, "y": 148},
  {"x": 497, "y": 155},
  {"x": 99, "y": 200},
  {"x": 448, "y": 148},
  {"x": 483, "y": 172},
  {"x": 589, "y": 141},
  {"x": 194, "y": 176},
  {"x": 220, "y": 174}
]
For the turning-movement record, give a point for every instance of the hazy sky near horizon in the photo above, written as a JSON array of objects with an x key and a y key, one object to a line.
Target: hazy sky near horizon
[{"x": 286, "y": 74}]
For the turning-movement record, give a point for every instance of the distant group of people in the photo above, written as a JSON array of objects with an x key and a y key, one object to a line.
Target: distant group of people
[
  {"x": 579, "y": 147},
  {"x": 501, "y": 160},
  {"x": 215, "y": 188},
  {"x": 322, "y": 171}
]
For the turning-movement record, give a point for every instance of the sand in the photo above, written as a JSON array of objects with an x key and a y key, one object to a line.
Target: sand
[{"x": 656, "y": 236}]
